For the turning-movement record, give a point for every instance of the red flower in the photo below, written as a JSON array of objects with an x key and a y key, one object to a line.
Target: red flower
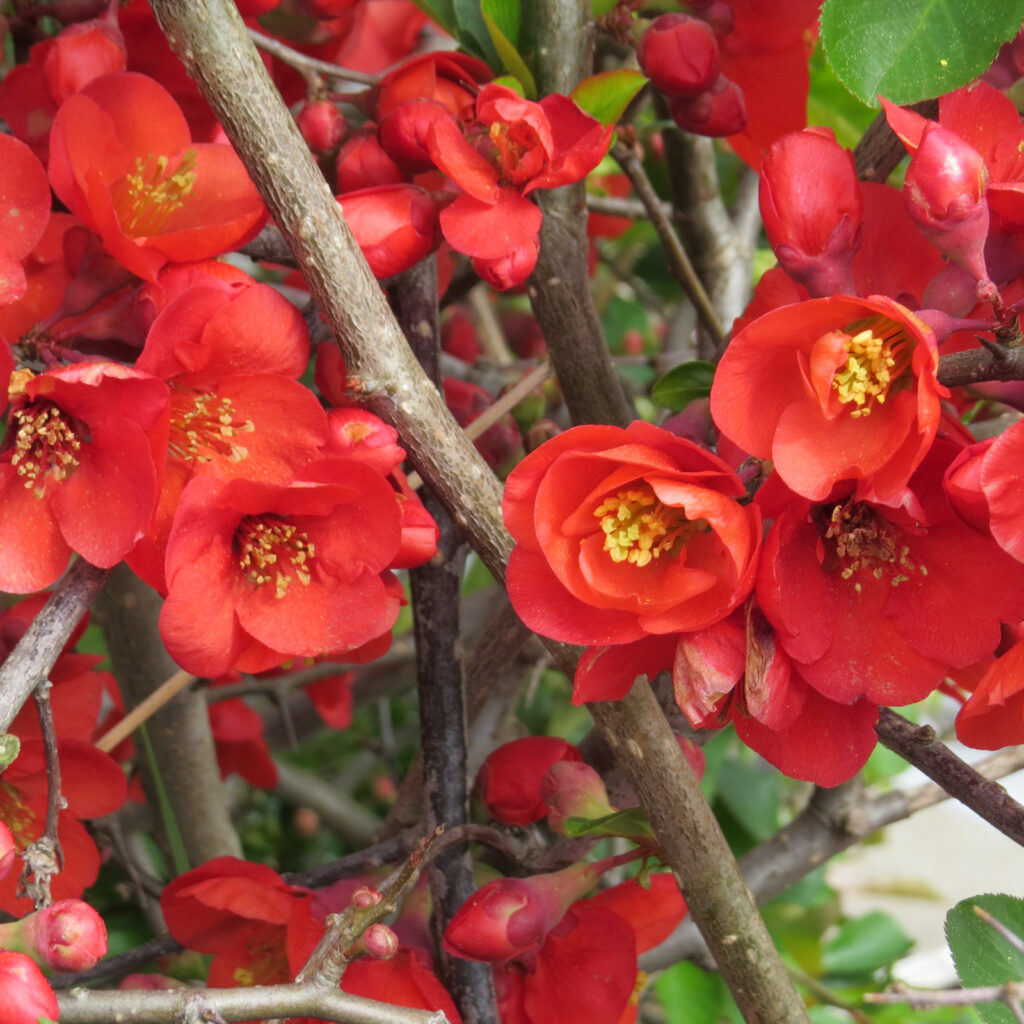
[
  {"x": 25, "y": 995},
  {"x": 451, "y": 79},
  {"x": 258, "y": 572},
  {"x": 510, "y": 778},
  {"x": 123, "y": 161},
  {"x": 835, "y": 389},
  {"x": 880, "y": 602},
  {"x": 24, "y": 213},
  {"x": 79, "y": 470},
  {"x": 993, "y": 716},
  {"x": 626, "y": 534}
]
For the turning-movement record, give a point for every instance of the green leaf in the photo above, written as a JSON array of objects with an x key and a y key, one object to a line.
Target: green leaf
[
  {"x": 471, "y": 31},
  {"x": 865, "y": 944},
  {"x": 914, "y": 49},
  {"x": 506, "y": 15},
  {"x": 440, "y": 11},
  {"x": 683, "y": 383},
  {"x": 751, "y": 793},
  {"x": 689, "y": 995},
  {"x": 631, "y": 823},
  {"x": 511, "y": 58},
  {"x": 606, "y": 95},
  {"x": 601, "y": 7},
  {"x": 981, "y": 955}
]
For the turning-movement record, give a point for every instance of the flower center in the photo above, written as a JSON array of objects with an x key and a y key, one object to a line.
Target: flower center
[
  {"x": 520, "y": 153},
  {"x": 45, "y": 445},
  {"x": 877, "y": 353},
  {"x": 146, "y": 198},
  {"x": 865, "y": 542},
  {"x": 273, "y": 551},
  {"x": 639, "y": 528},
  {"x": 204, "y": 427}
]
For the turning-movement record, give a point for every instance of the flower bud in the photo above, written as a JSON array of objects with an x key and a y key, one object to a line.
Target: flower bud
[
  {"x": 504, "y": 272},
  {"x": 944, "y": 192},
  {"x": 511, "y": 918},
  {"x": 403, "y": 133},
  {"x": 323, "y": 125},
  {"x": 380, "y": 941},
  {"x": 362, "y": 163},
  {"x": 25, "y": 995},
  {"x": 721, "y": 110},
  {"x": 365, "y": 897},
  {"x": 812, "y": 210},
  {"x": 572, "y": 789},
  {"x": 66, "y": 936},
  {"x": 511, "y": 777},
  {"x": 7, "y": 850},
  {"x": 679, "y": 54},
  {"x": 395, "y": 225}
]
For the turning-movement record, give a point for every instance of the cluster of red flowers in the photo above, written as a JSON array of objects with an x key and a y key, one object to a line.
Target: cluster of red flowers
[{"x": 892, "y": 557}]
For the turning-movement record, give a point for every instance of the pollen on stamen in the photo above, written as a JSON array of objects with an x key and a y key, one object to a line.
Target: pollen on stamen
[
  {"x": 638, "y": 528},
  {"x": 46, "y": 446},
  {"x": 271, "y": 551},
  {"x": 877, "y": 354},
  {"x": 204, "y": 427},
  {"x": 147, "y": 197}
]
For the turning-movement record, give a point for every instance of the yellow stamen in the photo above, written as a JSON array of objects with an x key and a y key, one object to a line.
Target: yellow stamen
[
  {"x": 46, "y": 445},
  {"x": 204, "y": 426},
  {"x": 865, "y": 542},
  {"x": 878, "y": 351},
  {"x": 268, "y": 548},
  {"x": 638, "y": 528},
  {"x": 150, "y": 195}
]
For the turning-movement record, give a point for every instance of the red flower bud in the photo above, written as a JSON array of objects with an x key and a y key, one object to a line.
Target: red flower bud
[
  {"x": 812, "y": 209},
  {"x": 25, "y": 995},
  {"x": 679, "y": 54},
  {"x": 572, "y": 789},
  {"x": 504, "y": 272},
  {"x": 403, "y": 133},
  {"x": 944, "y": 193},
  {"x": 380, "y": 941},
  {"x": 66, "y": 936},
  {"x": 511, "y": 918},
  {"x": 362, "y": 163},
  {"x": 7, "y": 853},
  {"x": 719, "y": 111},
  {"x": 322, "y": 124},
  {"x": 511, "y": 777},
  {"x": 395, "y": 226}
]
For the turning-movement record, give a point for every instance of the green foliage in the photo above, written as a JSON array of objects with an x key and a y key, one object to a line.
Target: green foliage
[
  {"x": 982, "y": 956},
  {"x": 914, "y": 49},
  {"x": 631, "y": 823},
  {"x": 689, "y": 995},
  {"x": 605, "y": 96},
  {"x": 684, "y": 383},
  {"x": 865, "y": 944},
  {"x": 502, "y": 19},
  {"x": 472, "y": 32}
]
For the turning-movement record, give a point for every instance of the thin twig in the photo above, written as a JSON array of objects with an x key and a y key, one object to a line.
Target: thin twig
[
  {"x": 1009, "y": 995},
  {"x": 679, "y": 262},
  {"x": 144, "y": 711},
  {"x": 31, "y": 660},
  {"x": 305, "y": 64},
  {"x": 1012, "y": 938}
]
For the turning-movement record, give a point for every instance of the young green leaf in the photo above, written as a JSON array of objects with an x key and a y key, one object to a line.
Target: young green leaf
[
  {"x": 606, "y": 95},
  {"x": 683, "y": 383}
]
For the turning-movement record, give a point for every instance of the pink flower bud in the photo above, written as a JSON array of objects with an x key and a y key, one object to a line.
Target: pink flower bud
[
  {"x": 7, "y": 851},
  {"x": 944, "y": 192},
  {"x": 510, "y": 918},
  {"x": 323, "y": 125},
  {"x": 573, "y": 789},
  {"x": 66, "y": 936},
  {"x": 395, "y": 225},
  {"x": 365, "y": 897},
  {"x": 380, "y": 941},
  {"x": 812, "y": 210},
  {"x": 721, "y": 110},
  {"x": 679, "y": 54},
  {"x": 511, "y": 777},
  {"x": 25, "y": 995}
]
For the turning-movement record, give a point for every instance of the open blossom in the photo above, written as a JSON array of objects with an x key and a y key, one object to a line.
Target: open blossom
[
  {"x": 834, "y": 389},
  {"x": 79, "y": 469},
  {"x": 123, "y": 161},
  {"x": 622, "y": 534}
]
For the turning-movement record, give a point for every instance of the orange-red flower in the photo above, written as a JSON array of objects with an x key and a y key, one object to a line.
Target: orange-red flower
[
  {"x": 123, "y": 161},
  {"x": 626, "y": 533},
  {"x": 833, "y": 389}
]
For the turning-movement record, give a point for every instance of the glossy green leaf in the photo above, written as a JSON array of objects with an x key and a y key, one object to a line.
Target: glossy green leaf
[
  {"x": 865, "y": 944},
  {"x": 684, "y": 383},
  {"x": 440, "y": 11},
  {"x": 981, "y": 955},
  {"x": 510, "y": 56},
  {"x": 471, "y": 31},
  {"x": 506, "y": 15},
  {"x": 606, "y": 95},
  {"x": 631, "y": 823},
  {"x": 914, "y": 49}
]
